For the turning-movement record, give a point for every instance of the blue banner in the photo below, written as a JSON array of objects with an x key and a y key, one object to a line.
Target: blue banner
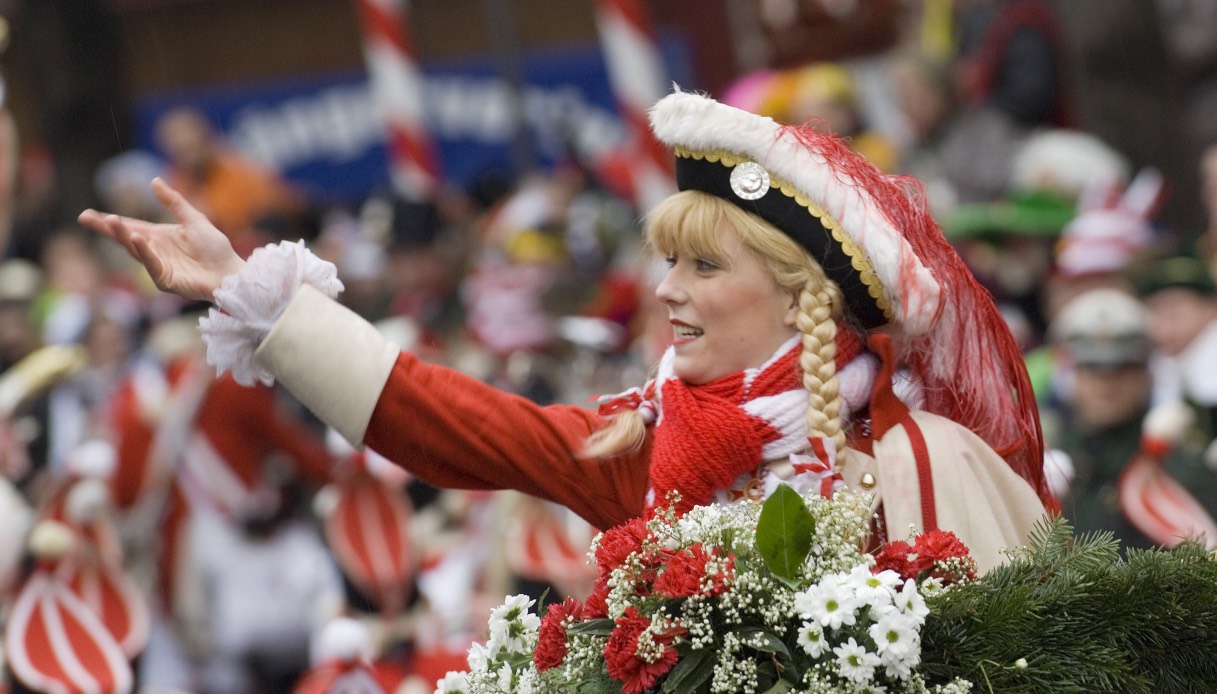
[{"x": 322, "y": 132}]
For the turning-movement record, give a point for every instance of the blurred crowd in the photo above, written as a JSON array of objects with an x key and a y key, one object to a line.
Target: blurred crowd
[{"x": 241, "y": 547}]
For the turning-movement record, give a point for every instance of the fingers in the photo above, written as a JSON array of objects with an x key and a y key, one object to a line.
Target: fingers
[
  {"x": 92, "y": 219},
  {"x": 118, "y": 229},
  {"x": 143, "y": 252},
  {"x": 175, "y": 202}
]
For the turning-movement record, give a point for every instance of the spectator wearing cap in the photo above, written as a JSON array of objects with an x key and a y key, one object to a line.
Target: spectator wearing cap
[
  {"x": 1098, "y": 427},
  {"x": 1208, "y": 194},
  {"x": 1182, "y": 302},
  {"x": 1111, "y": 230}
]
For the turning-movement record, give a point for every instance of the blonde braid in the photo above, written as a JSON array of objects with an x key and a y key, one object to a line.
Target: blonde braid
[
  {"x": 625, "y": 433},
  {"x": 817, "y": 305}
]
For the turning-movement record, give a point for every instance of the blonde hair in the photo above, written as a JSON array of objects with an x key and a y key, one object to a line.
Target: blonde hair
[{"x": 686, "y": 224}]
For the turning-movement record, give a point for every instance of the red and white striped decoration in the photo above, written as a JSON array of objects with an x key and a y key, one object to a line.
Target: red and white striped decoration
[
  {"x": 55, "y": 643},
  {"x": 550, "y": 544},
  {"x": 114, "y": 598},
  {"x": 342, "y": 678},
  {"x": 1160, "y": 507},
  {"x": 369, "y": 533},
  {"x": 396, "y": 83},
  {"x": 637, "y": 75}
]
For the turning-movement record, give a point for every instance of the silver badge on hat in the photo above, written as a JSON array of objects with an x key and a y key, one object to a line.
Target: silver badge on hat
[{"x": 750, "y": 180}]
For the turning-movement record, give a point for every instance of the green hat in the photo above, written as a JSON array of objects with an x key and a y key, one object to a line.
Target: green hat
[
  {"x": 1180, "y": 271},
  {"x": 1027, "y": 213}
]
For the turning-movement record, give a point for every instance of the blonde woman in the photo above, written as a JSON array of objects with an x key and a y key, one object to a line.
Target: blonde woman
[{"x": 824, "y": 334}]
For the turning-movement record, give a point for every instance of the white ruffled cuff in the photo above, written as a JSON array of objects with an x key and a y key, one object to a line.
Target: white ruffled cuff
[{"x": 249, "y": 302}]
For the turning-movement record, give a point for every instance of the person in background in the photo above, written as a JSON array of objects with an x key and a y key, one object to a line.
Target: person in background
[
  {"x": 927, "y": 103},
  {"x": 1208, "y": 193},
  {"x": 1008, "y": 75},
  {"x": 1011, "y": 60},
  {"x": 823, "y": 95},
  {"x": 1182, "y": 302},
  {"x": 229, "y": 187},
  {"x": 210, "y": 479},
  {"x": 1100, "y": 426}
]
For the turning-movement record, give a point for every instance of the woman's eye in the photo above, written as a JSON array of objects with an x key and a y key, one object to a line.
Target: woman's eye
[
  {"x": 670, "y": 261},
  {"x": 704, "y": 265}
]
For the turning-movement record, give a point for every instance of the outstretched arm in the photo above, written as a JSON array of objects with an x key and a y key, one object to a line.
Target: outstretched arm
[{"x": 189, "y": 258}]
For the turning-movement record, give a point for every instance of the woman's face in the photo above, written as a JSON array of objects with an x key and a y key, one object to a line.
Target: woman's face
[{"x": 727, "y": 314}]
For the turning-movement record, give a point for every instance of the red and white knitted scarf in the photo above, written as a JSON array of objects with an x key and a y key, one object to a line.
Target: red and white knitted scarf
[{"x": 708, "y": 435}]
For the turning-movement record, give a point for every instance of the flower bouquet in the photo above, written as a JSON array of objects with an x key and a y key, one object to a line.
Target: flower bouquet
[{"x": 779, "y": 597}]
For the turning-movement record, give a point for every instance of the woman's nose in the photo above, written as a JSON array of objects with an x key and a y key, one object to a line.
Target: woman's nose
[{"x": 668, "y": 290}]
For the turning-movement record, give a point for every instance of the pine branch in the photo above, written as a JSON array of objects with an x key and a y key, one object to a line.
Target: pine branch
[{"x": 1082, "y": 618}]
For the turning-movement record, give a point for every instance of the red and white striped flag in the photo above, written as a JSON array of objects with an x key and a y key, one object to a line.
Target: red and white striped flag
[
  {"x": 397, "y": 86},
  {"x": 638, "y": 77}
]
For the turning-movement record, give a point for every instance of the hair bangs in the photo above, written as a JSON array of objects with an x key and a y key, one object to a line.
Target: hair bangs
[{"x": 686, "y": 224}]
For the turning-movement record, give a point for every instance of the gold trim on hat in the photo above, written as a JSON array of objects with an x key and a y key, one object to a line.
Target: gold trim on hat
[{"x": 857, "y": 258}]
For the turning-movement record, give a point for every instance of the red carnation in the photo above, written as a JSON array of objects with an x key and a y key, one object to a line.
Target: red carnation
[
  {"x": 618, "y": 543},
  {"x": 924, "y": 555},
  {"x": 596, "y": 606},
  {"x": 894, "y": 556},
  {"x": 686, "y": 570},
  {"x": 941, "y": 545},
  {"x": 551, "y": 638},
  {"x": 621, "y": 654},
  {"x": 903, "y": 558}
]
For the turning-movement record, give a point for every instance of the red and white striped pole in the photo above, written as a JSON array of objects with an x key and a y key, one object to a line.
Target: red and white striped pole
[
  {"x": 396, "y": 83},
  {"x": 637, "y": 75}
]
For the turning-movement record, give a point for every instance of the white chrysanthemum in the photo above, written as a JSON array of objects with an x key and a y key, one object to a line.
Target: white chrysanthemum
[
  {"x": 512, "y": 626},
  {"x": 896, "y": 636},
  {"x": 811, "y": 639},
  {"x": 478, "y": 658},
  {"x": 453, "y": 683},
  {"x": 505, "y": 675},
  {"x": 932, "y": 585},
  {"x": 909, "y": 601},
  {"x": 855, "y": 662},
  {"x": 870, "y": 688},
  {"x": 900, "y": 669},
  {"x": 515, "y": 607},
  {"x": 831, "y": 602},
  {"x": 872, "y": 588}
]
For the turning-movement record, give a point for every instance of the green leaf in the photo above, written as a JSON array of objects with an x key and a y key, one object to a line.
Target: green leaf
[
  {"x": 779, "y": 688},
  {"x": 517, "y": 661},
  {"x": 767, "y": 643},
  {"x": 783, "y": 534},
  {"x": 592, "y": 627},
  {"x": 691, "y": 672}
]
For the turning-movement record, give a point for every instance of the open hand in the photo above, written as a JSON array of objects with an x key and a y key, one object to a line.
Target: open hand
[{"x": 189, "y": 258}]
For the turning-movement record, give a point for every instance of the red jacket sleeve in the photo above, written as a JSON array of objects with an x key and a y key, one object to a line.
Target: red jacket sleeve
[{"x": 455, "y": 431}]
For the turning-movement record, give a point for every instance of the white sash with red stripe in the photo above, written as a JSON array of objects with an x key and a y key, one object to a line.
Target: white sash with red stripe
[{"x": 208, "y": 481}]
